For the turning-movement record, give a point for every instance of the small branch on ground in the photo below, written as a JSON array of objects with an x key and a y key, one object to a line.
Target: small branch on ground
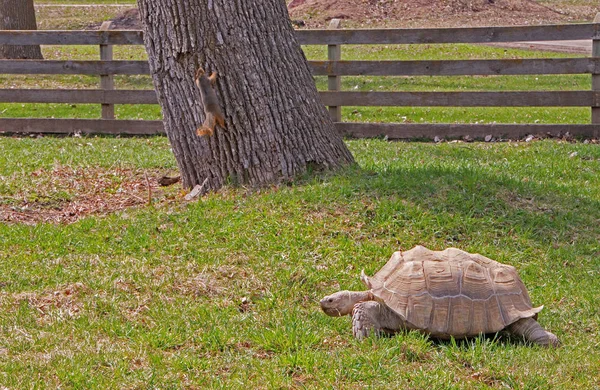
[
  {"x": 149, "y": 188},
  {"x": 197, "y": 191}
]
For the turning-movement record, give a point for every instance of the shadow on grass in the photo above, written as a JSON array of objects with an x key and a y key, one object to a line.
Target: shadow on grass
[{"x": 460, "y": 201}]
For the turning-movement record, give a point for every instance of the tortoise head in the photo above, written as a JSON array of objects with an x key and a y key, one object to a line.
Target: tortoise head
[
  {"x": 338, "y": 304},
  {"x": 341, "y": 303}
]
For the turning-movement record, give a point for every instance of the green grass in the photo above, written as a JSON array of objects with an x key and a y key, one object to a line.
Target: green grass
[
  {"x": 159, "y": 302},
  {"x": 55, "y": 17}
]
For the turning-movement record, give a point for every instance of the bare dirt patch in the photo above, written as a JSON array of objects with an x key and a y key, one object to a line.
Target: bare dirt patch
[
  {"x": 414, "y": 13},
  {"x": 434, "y": 13},
  {"x": 66, "y": 194}
]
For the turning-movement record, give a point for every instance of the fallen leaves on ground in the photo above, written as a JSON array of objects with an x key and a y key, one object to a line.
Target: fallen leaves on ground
[{"x": 64, "y": 194}]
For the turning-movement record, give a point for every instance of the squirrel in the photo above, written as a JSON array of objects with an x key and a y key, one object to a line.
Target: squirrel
[{"x": 214, "y": 115}]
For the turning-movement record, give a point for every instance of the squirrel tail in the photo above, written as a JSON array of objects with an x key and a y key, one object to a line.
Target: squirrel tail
[
  {"x": 208, "y": 127},
  {"x": 203, "y": 130}
]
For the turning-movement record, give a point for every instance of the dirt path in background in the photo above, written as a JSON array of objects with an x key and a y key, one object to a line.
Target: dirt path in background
[{"x": 411, "y": 13}]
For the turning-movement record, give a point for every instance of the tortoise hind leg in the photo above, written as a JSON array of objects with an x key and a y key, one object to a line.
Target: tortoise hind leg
[
  {"x": 531, "y": 331},
  {"x": 372, "y": 316}
]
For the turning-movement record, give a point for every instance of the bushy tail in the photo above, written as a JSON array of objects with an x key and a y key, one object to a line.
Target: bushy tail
[{"x": 208, "y": 127}]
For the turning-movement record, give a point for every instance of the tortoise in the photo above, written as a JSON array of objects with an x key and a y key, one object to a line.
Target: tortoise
[{"x": 449, "y": 293}]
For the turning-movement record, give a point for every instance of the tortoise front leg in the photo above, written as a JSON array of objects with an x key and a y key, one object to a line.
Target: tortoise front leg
[
  {"x": 531, "y": 331},
  {"x": 372, "y": 316}
]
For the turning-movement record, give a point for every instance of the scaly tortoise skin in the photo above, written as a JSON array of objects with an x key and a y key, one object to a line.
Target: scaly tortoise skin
[{"x": 445, "y": 294}]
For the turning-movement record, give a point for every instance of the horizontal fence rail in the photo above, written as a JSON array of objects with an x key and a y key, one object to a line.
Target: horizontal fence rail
[
  {"x": 60, "y": 37},
  {"x": 448, "y": 35},
  {"x": 392, "y": 131},
  {"x": 339, "y": 68},
  {"x": 416, "y": 99},
  {"x": 444, "y": 130},
  {"x": 333, "y": 37},
  {"x": 78, "y": 96},
  {"x": 457, "y": 67},
  {"x": 74, "y": 67},
  {"x": 73, "y": 126},
  {"x": 334, "y": 68},
  {"x": 463, "y": 99}
]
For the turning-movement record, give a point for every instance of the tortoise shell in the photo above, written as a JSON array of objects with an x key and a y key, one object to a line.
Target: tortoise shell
[{"x": 451, "y": 292}]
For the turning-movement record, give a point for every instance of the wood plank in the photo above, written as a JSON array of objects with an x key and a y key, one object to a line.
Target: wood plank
[
  {"x": 73, "y": 67},
  {"x": 78, "y": 96},
  {"x": 448, "y": 35},
  {"x": 417, "y": 99},
  {"x": 463, "y": 99},
  {"x": 334, "y": 82},
  {"x": 357, "y": 130},
  {"x": 331, "y": 68},
  {"x": 329, "y": 37},
  {"x": 596, "y": 74},
  {"x": 89, "y": 126},
  {"x": 68, "y": 37},
  {"x": 457, "y": 67},
  {"x": 452, "y": 131},
  {"x": 107, "y": 81}
]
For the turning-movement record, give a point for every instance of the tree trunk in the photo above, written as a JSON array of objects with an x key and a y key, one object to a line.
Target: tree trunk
[
  {"x": 275, "y": 124},
  {"x": 18, "y": 15}
]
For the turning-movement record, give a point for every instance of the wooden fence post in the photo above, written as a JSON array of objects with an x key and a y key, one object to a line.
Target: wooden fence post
[
  {"x": 596, "y": 74},
  {"x": 334, "y": 53},
  {"x": 107, "y": 81}
]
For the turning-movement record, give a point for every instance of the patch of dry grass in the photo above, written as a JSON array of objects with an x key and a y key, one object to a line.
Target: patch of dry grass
[
  {"x": 55, "y": 305},
  {"x": 65, "y": 194}
]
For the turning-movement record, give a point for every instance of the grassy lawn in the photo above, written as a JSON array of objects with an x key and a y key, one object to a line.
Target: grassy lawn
[
  {"x": 222, "y": 293},
  {"x": 59, "y": 15}
]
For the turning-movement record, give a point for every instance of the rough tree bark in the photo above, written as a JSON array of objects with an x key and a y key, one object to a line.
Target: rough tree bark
[
  {"x": 275, "y": 124},
  {"x": 18, "y": 15}
]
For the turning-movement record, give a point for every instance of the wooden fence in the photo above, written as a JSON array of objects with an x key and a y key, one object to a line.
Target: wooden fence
[{"x": 334, "y": 68}]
